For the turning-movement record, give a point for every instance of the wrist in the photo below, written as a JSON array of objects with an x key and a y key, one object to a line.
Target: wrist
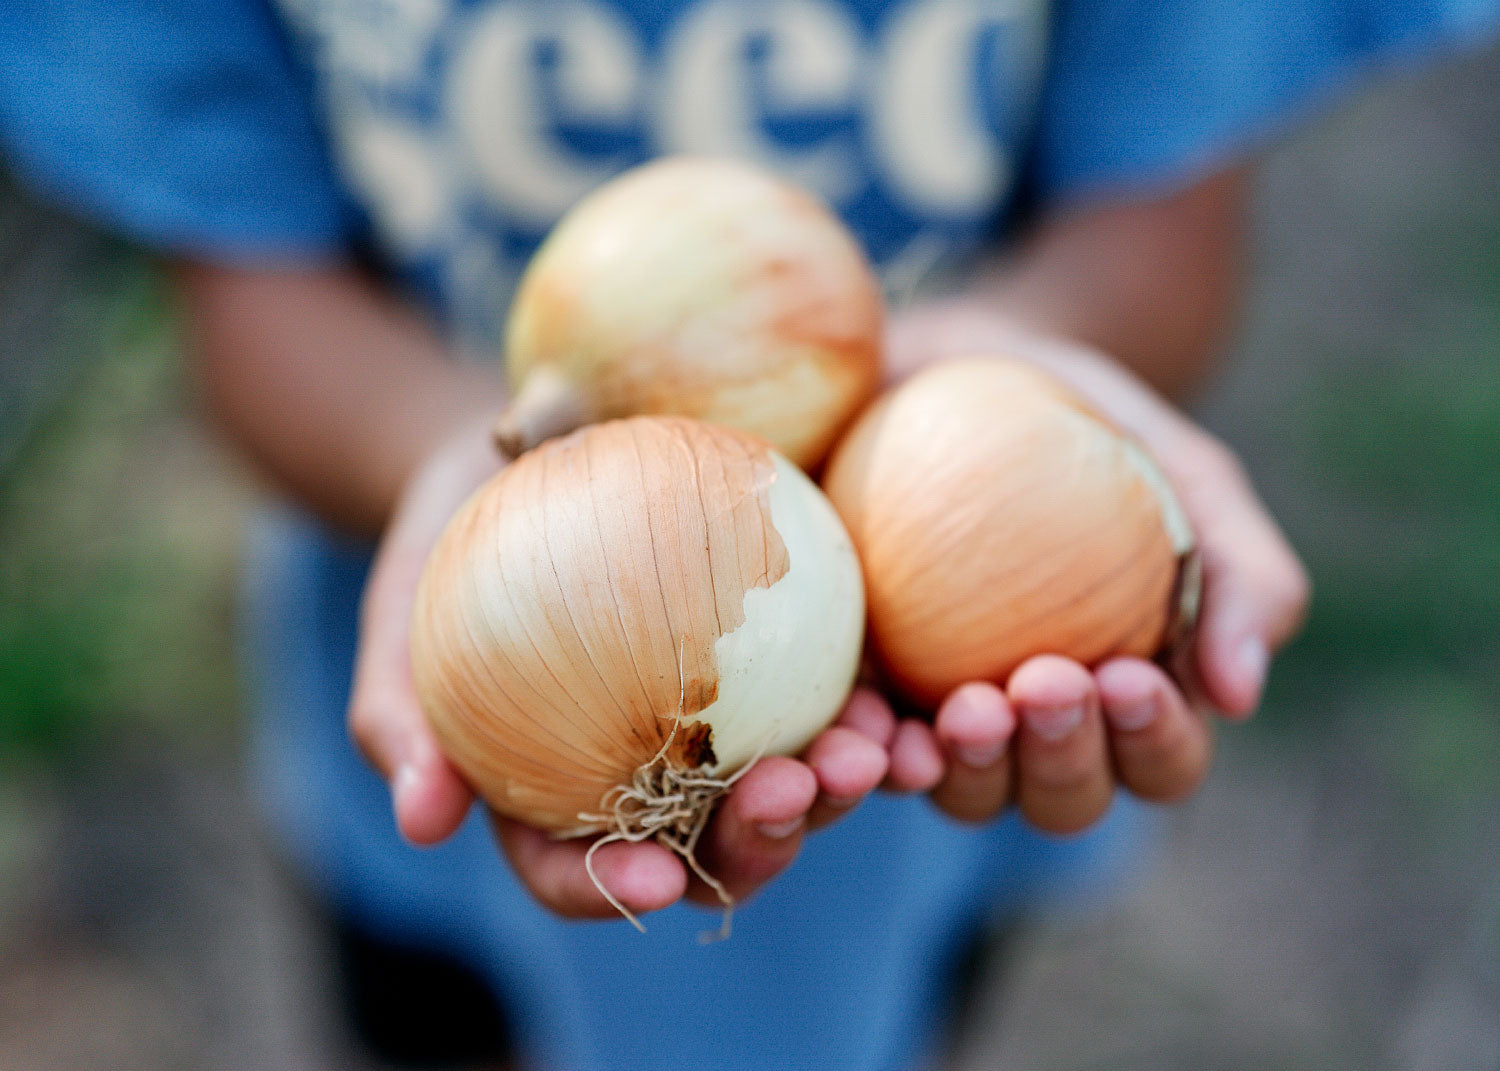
[
  {"x": 458, "y": 403},
  {"x": 972, "y": 326},
  {"x": 438, "y": 419},
  {"x": 944, "y": 328},
  {"x": 459, "y": 457}
]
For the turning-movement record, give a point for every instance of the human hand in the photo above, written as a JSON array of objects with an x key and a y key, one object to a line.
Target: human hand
[
  {"x": 1057, "y": 738},
  {"x": 755, "y": 833}
]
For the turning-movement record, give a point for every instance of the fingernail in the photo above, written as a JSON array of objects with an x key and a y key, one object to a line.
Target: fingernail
[
  {"x": 1054, "y": 723},
  {"x": 1133, "y": 716},
  {"x": 979, "y": 756},
  {"x": 779, "y": 830},
  {"x": 1253, "y": 659},
  {"x": 402, "y": 783}
]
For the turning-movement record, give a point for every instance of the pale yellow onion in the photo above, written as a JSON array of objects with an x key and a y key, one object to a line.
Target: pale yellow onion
[
  {"x": 998, "y": 517},
  {"x": 701, "y": 287},
  {"x": 612, "y": 582}
]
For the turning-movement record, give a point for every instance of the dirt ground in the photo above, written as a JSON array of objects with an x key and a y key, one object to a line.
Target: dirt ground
[{"x": 1330, "y": 901}]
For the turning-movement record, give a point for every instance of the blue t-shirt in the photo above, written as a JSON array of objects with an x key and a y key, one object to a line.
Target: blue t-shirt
[
  {"x": 448, "y": 135},
  {"x": 444, "y": 137}
]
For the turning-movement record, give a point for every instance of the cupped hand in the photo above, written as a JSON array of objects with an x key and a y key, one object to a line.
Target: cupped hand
[
  {"x": 755, "y": 833},
  {"x": 1058, "y": 738}
]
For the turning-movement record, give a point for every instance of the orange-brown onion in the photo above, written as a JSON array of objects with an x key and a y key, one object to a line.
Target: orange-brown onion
[
  {"x": 638, "y": 585},
  {"x": 701, "y": 287},
  {"x": 998, "y": 517}
]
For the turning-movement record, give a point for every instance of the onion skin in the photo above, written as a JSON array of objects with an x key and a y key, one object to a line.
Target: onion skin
[
  {"x": 998, "y": 517},
  {"x": 641, "y": 589},
  {"x": 700, "y": 287}
]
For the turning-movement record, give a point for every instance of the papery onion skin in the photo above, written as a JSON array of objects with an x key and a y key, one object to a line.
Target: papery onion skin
[
  {"x": 610, "y": 581},
  {"x": 701, "y": 287},
  {"x": 998, "y": 517}
]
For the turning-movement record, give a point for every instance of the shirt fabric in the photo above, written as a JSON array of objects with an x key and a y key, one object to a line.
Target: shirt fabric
[
  {"x": 446, "y": 136},
  {"x": 449, "y": 134}
]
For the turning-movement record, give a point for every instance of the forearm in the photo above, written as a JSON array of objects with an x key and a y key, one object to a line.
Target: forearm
[
  {"x": 1152, "y": 283},
  {"x": 335, "y": 390}
]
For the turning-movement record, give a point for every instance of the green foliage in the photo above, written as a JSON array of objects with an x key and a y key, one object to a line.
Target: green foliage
[
  {"x": 1405, "y": 459},
  {"x": 115, "y": 547}
]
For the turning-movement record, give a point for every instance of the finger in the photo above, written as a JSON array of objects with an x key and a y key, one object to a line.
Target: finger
[
  {"x": 758, "y": 828},
  {"x": 385, "y": 715},
  {"x": 430, "y": 799},
  {"x": 974, "y": 726},
  {"x": 1255, "y": 591},
  {"x": 1063, "y": 779},
  {"x": 429, "y": 796},
  {"x": 848, "y": 766},
  {"x": 917, "y": 763},
  {"x": 1162, "y": 747},
  {"x": 644, "y": 877},
  {"x": 868, "y": 714}
]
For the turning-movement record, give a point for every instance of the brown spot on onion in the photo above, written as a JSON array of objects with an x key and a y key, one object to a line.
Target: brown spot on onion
[{"x": 697, "y": 749}]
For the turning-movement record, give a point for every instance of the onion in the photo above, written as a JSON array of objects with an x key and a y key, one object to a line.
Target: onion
[
  {"x": 998, "y": 517},
  {"x": 700, "y": 287},
  {"x": 624, "y": 618}
]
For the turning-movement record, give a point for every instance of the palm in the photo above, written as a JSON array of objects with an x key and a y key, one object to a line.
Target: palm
[{"x": 1057, "y": 738}]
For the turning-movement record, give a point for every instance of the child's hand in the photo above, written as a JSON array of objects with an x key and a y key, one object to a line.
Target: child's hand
[
  {"x": 756, "y": 832},
  {"x": 1058, "y": 739}
]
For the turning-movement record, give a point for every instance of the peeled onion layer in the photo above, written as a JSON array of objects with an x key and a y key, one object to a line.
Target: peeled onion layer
[
  {"x": 998, "y": 517},
  {"x": 641, "y": 595},
  {"x": 699, "y": 287}
]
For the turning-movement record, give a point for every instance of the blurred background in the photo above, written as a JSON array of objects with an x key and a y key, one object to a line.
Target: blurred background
[{"x": 1330, "y": 901}]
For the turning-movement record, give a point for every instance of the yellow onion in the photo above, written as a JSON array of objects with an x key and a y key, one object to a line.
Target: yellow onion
[
  {"x": 998, "y": 517},
  {"x": 699, "y": 287},
  {"x": 640, "y": 608}
]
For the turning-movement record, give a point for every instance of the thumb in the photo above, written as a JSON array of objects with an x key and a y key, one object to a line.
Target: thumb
[
  {"x": 428, "y": 796},
  {"x": 1255, "y": 591},
  {"x": 386, "y": 720}
]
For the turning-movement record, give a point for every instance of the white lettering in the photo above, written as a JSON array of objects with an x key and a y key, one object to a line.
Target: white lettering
[
  {"x": 708, "y": 104},
  {"x": 404, "y": 179},
  {"x": 502, "y": 118},
  {"x": 380, "y": 41},
  {"x": 926, "y": 121}
]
